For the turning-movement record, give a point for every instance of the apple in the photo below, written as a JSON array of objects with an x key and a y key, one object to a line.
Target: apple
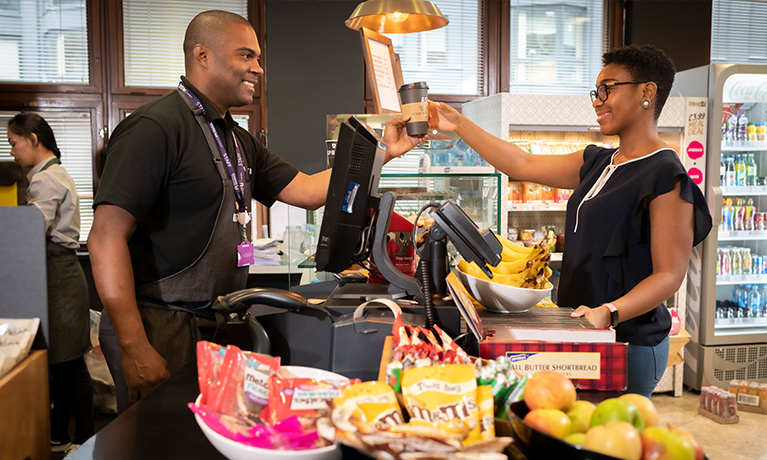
[
  {"x": 549, "y": 390},
  {"x": 645, "y": 406},
  {"x": 617, "y": 409},
  {"x": 576, "y": 438},
  {"x": 580, "y": 415},
  {"x": 699, "y": 454},
  {"x": 617, "y": 438},
  {"x": 663, "y": 444},
  {"x": 550, "y": 421}
]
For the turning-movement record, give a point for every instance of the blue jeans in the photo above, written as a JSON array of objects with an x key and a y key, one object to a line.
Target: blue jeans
[{"x": 646, "y": 366}]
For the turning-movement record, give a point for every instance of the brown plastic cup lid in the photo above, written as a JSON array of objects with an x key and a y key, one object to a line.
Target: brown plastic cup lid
[{"x": 416, "y": 85}]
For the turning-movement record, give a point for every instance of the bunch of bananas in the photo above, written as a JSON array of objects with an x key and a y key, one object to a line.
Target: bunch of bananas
[{"x": 519, "y": 267}]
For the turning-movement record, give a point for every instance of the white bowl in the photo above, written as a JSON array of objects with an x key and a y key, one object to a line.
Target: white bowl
[
  {"x": 234, "y": 450},
  {"x": 500, "y": 297}
]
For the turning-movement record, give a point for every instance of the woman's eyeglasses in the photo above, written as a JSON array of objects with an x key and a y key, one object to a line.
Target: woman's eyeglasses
[{"x": 604, "y": 89}]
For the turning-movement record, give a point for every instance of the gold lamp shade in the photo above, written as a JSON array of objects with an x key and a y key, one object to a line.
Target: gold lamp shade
[{"x": 397, "y": 16}]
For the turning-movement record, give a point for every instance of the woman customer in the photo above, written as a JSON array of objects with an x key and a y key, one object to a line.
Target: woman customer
[
  {"x": 53, "y": 192},
  {"x": 633, "y": 217}
]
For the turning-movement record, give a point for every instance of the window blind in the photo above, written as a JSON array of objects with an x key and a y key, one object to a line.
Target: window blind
[
  {"x": 739, "y": 32},
  {"x": 73, "y": 137},
  {"x": 451, "y": 59},
  {"x": 44, "y": 41},
  {"x": 153, "y": 37},
  {"x": 556, "y": 46}
]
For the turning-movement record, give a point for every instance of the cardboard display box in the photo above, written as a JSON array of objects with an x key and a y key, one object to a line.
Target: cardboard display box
[
  {"x": 676, "y": 345},
  {"x": 590, "y": 366},
  {"x": 25, "y": 427}
]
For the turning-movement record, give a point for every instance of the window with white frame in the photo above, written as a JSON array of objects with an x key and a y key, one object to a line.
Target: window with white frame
[
  {"x": 739, "y": 32},
  {"x": 153, "y": 37},
  {"x": 72, "y": 131},
  {"x": 44, "y": 41},
  {"x": 556, "y": 46},
  {"x": 451, "y": 59}
]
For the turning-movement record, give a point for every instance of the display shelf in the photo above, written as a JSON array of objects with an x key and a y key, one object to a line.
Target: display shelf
[
  {"x": 477, "y": 194},
  {"x": 722, "y": 280},
  {"x": 744, "y": 146},
  {"x": 752, "y": 190},
  {"x": 740, "y": 323},
  {"x": 537, "y": 206},
  {"x": 741, "y": 235}
]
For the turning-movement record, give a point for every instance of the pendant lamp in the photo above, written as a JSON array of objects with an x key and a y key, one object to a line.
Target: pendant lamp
[{"x": 397, "y": 16}]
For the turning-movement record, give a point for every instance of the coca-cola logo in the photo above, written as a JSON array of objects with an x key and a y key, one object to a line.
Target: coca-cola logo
[{"x": 742, "y": 91}]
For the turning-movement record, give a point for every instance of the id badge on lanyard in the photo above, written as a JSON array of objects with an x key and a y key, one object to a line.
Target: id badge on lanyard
[{"x": 245, "y": 256}]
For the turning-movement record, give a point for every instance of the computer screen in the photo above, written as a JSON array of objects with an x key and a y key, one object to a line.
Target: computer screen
[{"x": 354, "y": 179}]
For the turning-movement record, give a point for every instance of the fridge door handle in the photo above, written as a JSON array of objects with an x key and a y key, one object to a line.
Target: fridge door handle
[{"x": 715, "y": 204}]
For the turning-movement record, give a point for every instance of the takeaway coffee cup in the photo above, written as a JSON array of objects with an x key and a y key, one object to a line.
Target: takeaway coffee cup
[{"x": 415, "y": 103}]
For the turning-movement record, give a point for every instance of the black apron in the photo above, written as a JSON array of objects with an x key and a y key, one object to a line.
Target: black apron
[
  {"x": 175, "y": 309},
  {"x": 68, "y": 302}
]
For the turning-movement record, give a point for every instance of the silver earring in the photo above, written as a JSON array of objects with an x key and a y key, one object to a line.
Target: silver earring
[{"x": 645, "y": 103}]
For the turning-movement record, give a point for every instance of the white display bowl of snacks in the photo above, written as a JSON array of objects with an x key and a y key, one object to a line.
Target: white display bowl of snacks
[
  {"x": 234, "y": 450},
  {"x": 502, "y": 298}
]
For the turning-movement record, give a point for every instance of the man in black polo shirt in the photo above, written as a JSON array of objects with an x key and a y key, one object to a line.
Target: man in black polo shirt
[{"x": 173, "y": 208}]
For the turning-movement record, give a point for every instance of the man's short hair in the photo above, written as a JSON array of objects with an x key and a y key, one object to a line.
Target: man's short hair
[{"x": 207, "y": 29}]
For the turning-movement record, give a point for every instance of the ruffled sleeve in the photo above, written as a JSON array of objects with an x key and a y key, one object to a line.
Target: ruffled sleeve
[{"x": 663, "y": 183}]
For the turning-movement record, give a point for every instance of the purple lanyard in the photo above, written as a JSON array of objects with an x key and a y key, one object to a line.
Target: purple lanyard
[{"x": 238, "y": 180}]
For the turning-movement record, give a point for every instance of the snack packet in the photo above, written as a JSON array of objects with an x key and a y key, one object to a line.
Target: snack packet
[
  {"x": 485, "y": 429},
  {"x": 243, "y": 384},
  {"x": 302, "y": 397},
  {"x": 366, "y": 406},
  {"x": 442, "y": 397},
  {"x": 210, "y": 357}
]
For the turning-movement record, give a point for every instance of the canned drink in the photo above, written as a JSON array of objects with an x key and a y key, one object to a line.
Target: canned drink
[{"x": 756, "y": 264}]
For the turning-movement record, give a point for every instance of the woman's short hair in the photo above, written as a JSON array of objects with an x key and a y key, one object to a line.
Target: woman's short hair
[
  {"x": 645, "y": 63},
  {"x": 26, "y": 124}
]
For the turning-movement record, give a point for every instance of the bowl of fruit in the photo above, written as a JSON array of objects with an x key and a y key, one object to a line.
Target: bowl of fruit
[
  {"x": 519, "y": 281},
  {"x": 553, "y": 422}
]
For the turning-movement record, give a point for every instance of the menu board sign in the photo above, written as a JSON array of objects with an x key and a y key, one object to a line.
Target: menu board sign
[{"x": 383, "y": 70}]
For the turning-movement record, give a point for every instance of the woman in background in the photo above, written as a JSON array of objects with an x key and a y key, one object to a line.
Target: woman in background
[
  {"x": 53, "y": 192},
  {"x": 633, "y": 217}
]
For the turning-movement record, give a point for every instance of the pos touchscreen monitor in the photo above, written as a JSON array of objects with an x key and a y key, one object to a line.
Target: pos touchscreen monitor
[{"x": 353, "y": 181}]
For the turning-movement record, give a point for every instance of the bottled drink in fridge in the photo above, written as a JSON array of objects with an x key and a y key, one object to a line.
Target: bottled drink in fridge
[
  {"x": 735, "y": 262},
  {"x": 729, "y": 178},
  {"x": 740, "y": 171},
  {"x": 750, "y": 170},
  {"x": 742, "y": 125},
  {"x": 732, "y": 128},
  {"x": 754, "y": 302},
  {"x": 745, "y": 262},
  {"x": 722, "y": 171},
  {"x": 751, "y": 131}
]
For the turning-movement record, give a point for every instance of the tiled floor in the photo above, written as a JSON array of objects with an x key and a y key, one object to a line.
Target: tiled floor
[{"x": 741, "y": 441}]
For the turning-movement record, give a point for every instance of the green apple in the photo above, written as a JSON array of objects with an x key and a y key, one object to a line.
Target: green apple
[
  {"x": 617, "y": 409},
  {"x": 645, "y": 406},
  {"x": 576, "y": 438},
  {"x": 663, "y": 444},
  {"x": 580, "y": 415},
  {"x": 616, "y": 438},
  {"x": 550, "y": 421},
  {"x": 699, "y": 454}
]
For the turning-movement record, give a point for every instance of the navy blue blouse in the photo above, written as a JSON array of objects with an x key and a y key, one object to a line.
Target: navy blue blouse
[{"x": 607, "y": 236}]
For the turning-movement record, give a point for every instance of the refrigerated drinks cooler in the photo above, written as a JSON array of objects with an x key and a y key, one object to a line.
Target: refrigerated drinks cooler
[{"x": 728, "y": 326}]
